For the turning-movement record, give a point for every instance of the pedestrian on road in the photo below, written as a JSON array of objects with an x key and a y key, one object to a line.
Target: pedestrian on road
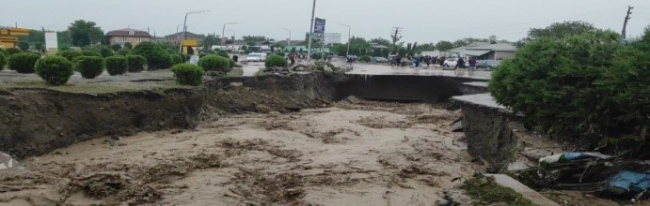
[
  {"x": 472, "y": 63},
  {"x": 442, "y": 61},
  {"x": 460, "y": 63},
  {"x": 398, "y": 60},
  {"x": 292, "y": 58},
  {"x": 427, "y": 60}
]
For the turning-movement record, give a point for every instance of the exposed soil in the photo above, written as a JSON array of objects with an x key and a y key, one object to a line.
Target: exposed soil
[{"x": 329, "y": 156}]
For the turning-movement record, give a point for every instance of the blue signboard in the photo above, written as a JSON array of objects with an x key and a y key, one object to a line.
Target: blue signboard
[{"x": 319, "y": 26}]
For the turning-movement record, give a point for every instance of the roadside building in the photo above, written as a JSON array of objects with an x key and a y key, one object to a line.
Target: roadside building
[
  {"x": 132, "y": 36},
  {"x": 485, "y": 51},
  {"x": 176, "y": 38}
]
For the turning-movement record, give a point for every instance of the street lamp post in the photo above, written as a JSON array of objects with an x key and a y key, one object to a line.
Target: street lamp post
[
  {"x": 347, "y": 53},
  {"x": 180, "y": 47},
  {"x": 311, "y": 30},
  {"x": 288, "y": 40},
  {"x": 233, "y": 34},
  {"x": 223, "y": 31}
]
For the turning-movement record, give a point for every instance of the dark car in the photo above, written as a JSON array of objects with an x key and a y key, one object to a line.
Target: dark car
[{"x": 380, "y": 60}]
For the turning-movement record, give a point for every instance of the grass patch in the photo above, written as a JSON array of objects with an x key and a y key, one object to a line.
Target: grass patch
[
  {"x": 235, "y": 72},
  {"x": 92, "y": 88},
  {"x": 485, "y": 191}
]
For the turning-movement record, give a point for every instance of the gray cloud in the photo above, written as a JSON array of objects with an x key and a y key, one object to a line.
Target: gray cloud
[{"x": 422, "y": 20}]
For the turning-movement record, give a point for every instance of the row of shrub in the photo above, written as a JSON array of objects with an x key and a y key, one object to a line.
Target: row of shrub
[{"x": 591, "y": 87}]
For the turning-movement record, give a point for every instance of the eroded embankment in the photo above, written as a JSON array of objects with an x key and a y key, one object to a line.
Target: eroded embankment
[{"x": 36, "y": 121}]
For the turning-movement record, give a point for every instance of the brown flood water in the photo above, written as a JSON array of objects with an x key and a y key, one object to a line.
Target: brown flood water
[{"x": 364, "y": 154}]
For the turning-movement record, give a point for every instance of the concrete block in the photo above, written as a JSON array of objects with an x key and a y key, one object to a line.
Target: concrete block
[{"x": 530, "y": 194}]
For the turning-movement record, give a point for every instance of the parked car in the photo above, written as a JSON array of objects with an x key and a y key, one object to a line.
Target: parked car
[
  {"x": 380, "y": 60},
  {"x": 487, "y": 64},
  {"x": 450, "y": 62},
  {"x": 256, "y": 57}
]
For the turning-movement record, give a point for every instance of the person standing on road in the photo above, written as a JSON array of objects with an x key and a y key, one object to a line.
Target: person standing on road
[
  {"x": 427, "y": 60},
  {"x": 442, "y": 61},
  {"x": 460, "y": 63},
  {"x": 292, "y": 58},
  {"x": 472, "y": 63},
  {"x": 398, "y": 60}
]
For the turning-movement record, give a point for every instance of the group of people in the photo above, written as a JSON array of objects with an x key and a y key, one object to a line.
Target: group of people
[{"x": 429, "y": 60}]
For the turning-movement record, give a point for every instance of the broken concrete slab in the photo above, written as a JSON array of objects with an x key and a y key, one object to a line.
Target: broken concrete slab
[
  {"x": 536, "y": 154},
  {"x": 519, "y": 165},
  {"x": 525, "y": 191},
  {"x": 457, "y": 126},
  {"x": 9, "y": 163}
]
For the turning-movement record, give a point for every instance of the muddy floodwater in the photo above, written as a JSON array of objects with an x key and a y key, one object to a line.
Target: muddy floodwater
[{"x": 368, "y": 153}]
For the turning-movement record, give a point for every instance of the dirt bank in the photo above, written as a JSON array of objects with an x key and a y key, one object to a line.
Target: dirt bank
[
  {"x": 35, "y": 121},
  {"x": 364, "y": 154}
]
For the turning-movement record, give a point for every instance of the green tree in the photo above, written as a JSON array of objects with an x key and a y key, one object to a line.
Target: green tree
[
  {"x": 84, "y": 33},
  {"x": 563, "y": 86},
  {"x": 560, "y": 30},
  {"x": 24, "y": 46},
  {"x": 444, "y": 45},
  {"x": 38, "y": 46},
  {"x": 426, "y": 47},
  {"x": 460, "y": 43},
  {"x": 210, "y": 41},
  {"x": 380, "y": 41},
  {"x": 116, "y": 47},
  {"x": 128, "y": 45},
  {"x": 250, "y": 43}
]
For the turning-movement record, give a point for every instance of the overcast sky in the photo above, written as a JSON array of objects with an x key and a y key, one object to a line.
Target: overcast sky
[{"x": 422, "y": 20}]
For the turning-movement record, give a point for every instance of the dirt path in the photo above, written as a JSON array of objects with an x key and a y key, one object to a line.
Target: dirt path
[{"x": 363, "y": 154}]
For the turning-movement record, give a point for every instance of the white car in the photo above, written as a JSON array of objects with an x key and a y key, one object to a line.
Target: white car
[
  {"x": 451, "y": 62},
  {"x": 256, "y": 57}
]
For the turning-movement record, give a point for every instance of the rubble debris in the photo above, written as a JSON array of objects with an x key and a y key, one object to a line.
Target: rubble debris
[
  {"x": 9, "y": 163},
  {"x": 564, "y": 157},
  {"x": 457, "y": 126}
]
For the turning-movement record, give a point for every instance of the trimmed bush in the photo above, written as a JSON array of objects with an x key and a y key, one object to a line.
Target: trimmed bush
[
  {"x": 123, "y": 52},
  {"x": 215, "y": 63},
  {"x": 365, "y": 58},
  {"x": 116, "y": 47},
  {"x": 3, "y": 61},
  {"x": 177, "y": 59},
  {"x": 156, "y": 57},
  {"x": 275, "y": 61},
  {"x": 106, "y": 52},
  {"x": 91, "y": 53},
  {"x": 70, "y": 54},
  {"x": 223, "y": 54},
  {"x": 55, "y": 70},
  {"x": 136, "y": 63},
  {"x": 232, "y": 63},
  {"x": 128, "y": 45},
  {"x": 188, "y": 74},
  {"x": 568, "y": 87},
  {"x": 89, "y": 66},
  {"x": 116, "y": 65},
  {"x": 11, "y": 51},
  {"x": 23, "y": 62}
]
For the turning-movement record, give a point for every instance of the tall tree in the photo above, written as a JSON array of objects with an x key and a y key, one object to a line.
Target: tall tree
[
  {"x": 560, "y": 30},
  {"x": 210, "y": 41},
  {"x": 84, "y": 33},
  {"x": 380, "y": 41},
  {"x": 460, "y": 43},
  {"x": 254, "y": 38},
  {"x": 444, "y": 46}
]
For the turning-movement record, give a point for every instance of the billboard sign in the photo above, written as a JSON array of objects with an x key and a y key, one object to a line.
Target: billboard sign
[
  {"x": 332, "y": 38},
  {"x": 319, "y": 26}
]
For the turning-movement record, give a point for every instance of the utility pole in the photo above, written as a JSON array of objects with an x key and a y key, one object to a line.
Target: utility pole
[
  {"x": 311, "y": 30},
  {"x": 395, "y": 35},
  {"x": 627, "y": 18}
]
